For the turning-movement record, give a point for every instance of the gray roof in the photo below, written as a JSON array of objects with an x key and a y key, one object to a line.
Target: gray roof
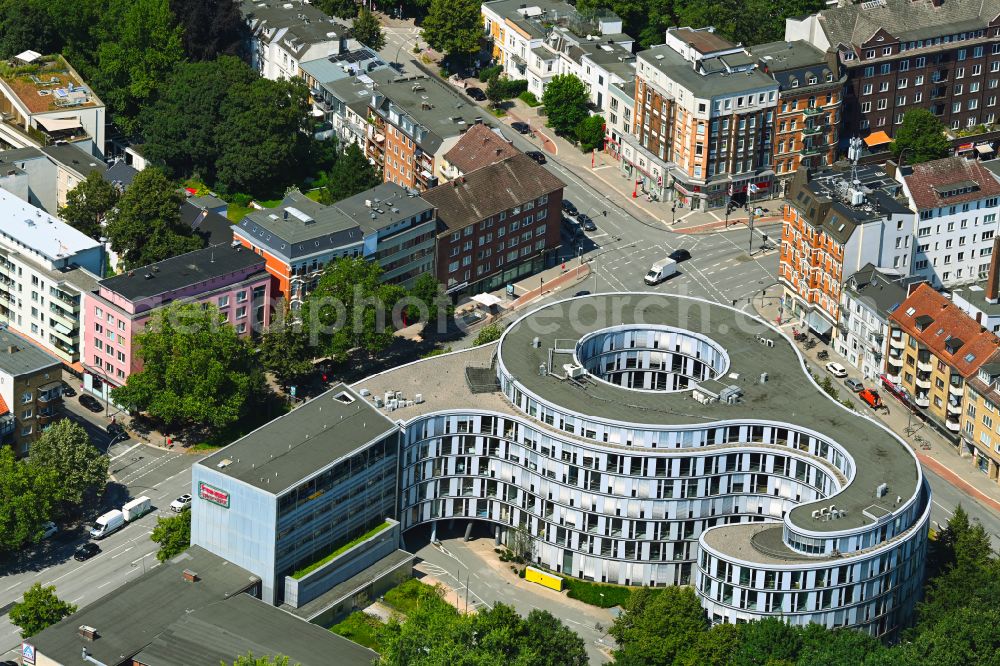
[
  {"x": 390, "y": 204},
  {"x": 714, "y": 84},
  {"x": 792, "y": 64},
  {"x": 70, "y": 156},
  {"x": 299, "y": 25},
  {"x": 355, "y": 92},
  {"x": 244, "y": 624},
  {"x": 906, "y": 20},
  {"x": 184, "y": 270},
  {"x": 131, "y": 617},
  {"x": 302, "y": 441},
  {"x": 121, "y": 172},
  {"x": 16, "y": 155},
  {"x": 211, "y": 227},
  {"x": 882, "y": 292},
  {"x": 332, "y": 67},
  {"x": 300, "y": 227},
  {"x": 975, "y": 295},
  {"x": 40, "y": 231},
  {"x": 19, "y": 357},
  {"x": 207, "y": 201}
]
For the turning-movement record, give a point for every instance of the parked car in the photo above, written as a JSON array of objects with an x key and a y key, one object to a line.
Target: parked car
[
  {"x": 48, "y": 529},
  {"x": 476, "y": 94},
  {"x": 588, "y": 225},
  {"x": 521, "y": 128},
  {"x": 181, "y": 503},
  {"x": 537, "y": 156},
  {"x": 680, "y": 255},
  {"x": 114, "y": 429},
  {"x": 568, "y": 207},
  {"x": 854, "y": 385},
  {"x": 91, "y": 403},
  {"x": 836, "y": 369},
  {"x": 86, "y": 551},
  {"x": 68, "y": 391}
]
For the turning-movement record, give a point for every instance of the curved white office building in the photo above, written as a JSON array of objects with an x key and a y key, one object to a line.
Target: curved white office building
[{"x": 645, "y": 439}]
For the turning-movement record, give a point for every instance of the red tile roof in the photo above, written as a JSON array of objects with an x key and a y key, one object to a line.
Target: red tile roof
[
  {"x": 929, "y": 180},
  {"x": 4, "y": 409},
  {"x": 943, "y": 325},
  {"x": 477, "y": 148}
]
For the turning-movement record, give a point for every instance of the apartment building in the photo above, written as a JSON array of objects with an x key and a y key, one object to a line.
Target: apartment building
[
  {"x": 618, "y": 122},
  {"x": 907, "y": 54},
  {"x": 30, "y": 391},
  {"x": 285, "y": 33},
  {"x": 43, "y": 177},
  {"x": 704, "y": 120},
  {"x": 477, "y": 148},
  {"x": 44, "y": 101},
  {"x": 956, "y": 201},
  {"x": 932, "y": 350},
  {"x": 340, "y": 88},
  {"x": 415, "y": 120},
  {"x": 298, "y": 238},
  {"x": 810, "y": 93},
  {"x": 497, "y": 224},
  {"x": 834, "y": 223}
]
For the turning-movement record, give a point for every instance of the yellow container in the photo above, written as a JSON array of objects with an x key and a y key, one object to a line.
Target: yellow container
[{"x": 542, "y": 578}]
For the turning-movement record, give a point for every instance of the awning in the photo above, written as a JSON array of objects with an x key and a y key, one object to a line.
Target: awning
[
  {"x": 984, "y": 148},
  {"x": 56, "y": 124},
  {"x": 28, "y": 56},
  {"x": 818, "y": 323},
  {"x": 487, "y": 300},
  {"x": 965, "y": 147},
  {"x": 877, "y": 139}
]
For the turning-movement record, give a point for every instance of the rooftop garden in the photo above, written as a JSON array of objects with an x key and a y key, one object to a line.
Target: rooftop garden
[{"x": 308, "y": 569}]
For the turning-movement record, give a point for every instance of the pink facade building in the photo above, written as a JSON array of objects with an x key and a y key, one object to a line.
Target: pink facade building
[{"x": 230, "y": 278}]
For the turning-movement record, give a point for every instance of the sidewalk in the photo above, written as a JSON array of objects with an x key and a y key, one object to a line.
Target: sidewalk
[
  {"x": 602, "y": 172},
  {"x": 942, "y": 458}
]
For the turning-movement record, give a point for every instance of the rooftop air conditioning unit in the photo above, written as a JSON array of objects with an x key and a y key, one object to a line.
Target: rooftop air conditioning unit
[{"x": 574, "y": 371}]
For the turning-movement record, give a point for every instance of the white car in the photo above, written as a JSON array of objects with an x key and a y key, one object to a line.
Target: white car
[
  {"x": 181, "y": 503},
  {"x": 836, "y": 369}
]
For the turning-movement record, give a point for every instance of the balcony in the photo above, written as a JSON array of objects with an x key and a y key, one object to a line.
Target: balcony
[
  {"x": 895, "y": 379},
  {"x": 955, "y": 409},
  {"x": 895, "y": 362},
  {"x": 813, "y": 111},
  {"x": 810, "y": 131},
  {"x": 58, "y": 315},
  {"x": 812, "y": 150},
  {"x": 922, "y": 401},
  {"x": 958, "y": 390},
  {"x": 922, "y": 382},
  {"x": 924, "y": 366},
  {"x": 896, "y": 343},
  {"x": 952, "y": 424}
]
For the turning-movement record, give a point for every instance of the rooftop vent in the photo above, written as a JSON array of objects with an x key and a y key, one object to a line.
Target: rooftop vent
[
  {"x": 189, "y": 576},
  {"x": 224, "y": 463},
  {"x": 87, "y": 632}
]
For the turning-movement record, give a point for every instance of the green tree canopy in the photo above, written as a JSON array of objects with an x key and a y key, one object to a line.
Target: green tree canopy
[
  {"x": 211, "y": 27},
  {"x": 340, "y": 8},
  {"x": 658, "y": 626},
  {"x": 367, "y": 29},
  {"x": 285, "y": 350},
  {"x": 249, "y": 660},
  {"x": 27, "y": 25},
  {"x": 88, "y": 204},
  {"x": 920, "y": 138},
  {"x": 196, "y": 370},
  {"x": 173, "y": 533},
  {"x": 590, "y": 133},
  {"x": 40, "y": 608},
  {"x": 65, "y": 449},
  {"x": 351, "y": 174},
  {"x": 28, "y": 493},
  {"x": 453, "y": 27},
  {"x": 146, "y": 226},
  {"x": 565, "y": 99},
  {"x": 487, "y": 334}
]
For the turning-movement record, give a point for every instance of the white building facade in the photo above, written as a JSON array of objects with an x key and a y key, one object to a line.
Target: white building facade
[{"x": 867, "y": 299}]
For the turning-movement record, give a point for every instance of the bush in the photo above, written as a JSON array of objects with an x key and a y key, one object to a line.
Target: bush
[
  {"x": 410, "y": 595},
  {"x": 529, "y": 98},
  {"x": 590, "y": 133},
  {"x": 241, "y": 199},
  {"x": 360, "y": 628},
  {"x": 597, "y": 594},
  {"x": 501, "y": 88},
  {"x": 491, "y": 72},
  {"x": 490, "y": 333}
]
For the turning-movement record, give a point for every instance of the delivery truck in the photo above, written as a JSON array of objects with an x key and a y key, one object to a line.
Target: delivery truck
[
  {"x": 660, "y": 271},
  {"x": 137, "y": 508},
  {"x": 109, "y": 523}
]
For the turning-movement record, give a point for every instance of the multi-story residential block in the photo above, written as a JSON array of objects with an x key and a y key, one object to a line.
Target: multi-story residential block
[
  {"x": 334, "y": 480},
  {"x": 286, "y": 33},
  {"x": 387, "y": 224},
  {"x": 908, "y": 54},
  {"x": 477, "y": 148},
  {"x": 980, "y": 434},
  {"x": 415, "y": 120},
  {"x": 618, "y": 122},
  {"x": 704, "y": 120},
  {"x": 956, "y": 201},
  {"x": 867, "y": 299},
  {"x": 834, "y": 223},
  {"x": 45, "y": 265},
  {"x": 230, "y": 278},
  {"x": 43, "y": 177},
  {"x": 932, "y": 349},
  {"x": 809, "y": 102},
  {"x": 30, "y": 391},
  {"x": 497, "y": 224},
  {"x": 981, "y": 300},
  {"x": 43, "y": 101},
  {"x": 340, "y": 89}
]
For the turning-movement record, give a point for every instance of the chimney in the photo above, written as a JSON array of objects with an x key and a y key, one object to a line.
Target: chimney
[
  {"x": 87, "y": 632},
  {"x": 189, "y": 576},
  {"x": 12, "y": 349},
  {"x": 993, "y": 279}
]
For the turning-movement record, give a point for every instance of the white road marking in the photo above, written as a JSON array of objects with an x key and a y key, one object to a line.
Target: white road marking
[
  {"x": 123, "y": 552},
  {"x": 126, "y": 451},
  {"x": 105, "y": 584}
]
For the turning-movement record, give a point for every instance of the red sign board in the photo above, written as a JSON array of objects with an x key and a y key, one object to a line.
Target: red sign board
[{"x": 213, "y": 495}]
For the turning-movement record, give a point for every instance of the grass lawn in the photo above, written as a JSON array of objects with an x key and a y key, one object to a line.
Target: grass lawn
[
  {"x": 195, "y": 184},
  {"x": 360, "y": 628},
  {"x": 236, "y": 212},
  {"x": 350, "y": 544},
  {"x": 269, "y": 203},
  {"x": 499, "y": 113},
  {"x": 408, "y": 596},
  {"x": 591, "y": 593},
  {"x": 315, "y": 194}
]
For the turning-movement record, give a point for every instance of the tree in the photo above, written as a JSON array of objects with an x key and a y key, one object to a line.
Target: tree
[
  {"x": 453, "y": 27},
  {"x": 28, "y": 494},
  {"x": 340, "y": 8},
  {"x": 351, "y": 308},
  {"x": 565, "y": 99},
  {"x": 40, "y": 608},
  {"x": 146, "y": 226},
  {"x": 487, "y": 334},
  {"x": 196, "y": 370},
  {"x": 920, "y": 138},
  {"x": 590, "y": 133},
  {"x": 249, "y": 660},
  {"x": 88, "y": 204},
  {"x": 211, "y": 27},
  {"x": 27, "y": 25},
  {"x": 429, "y": 292},
  {"x": 351, "y": 174},
  {"x": 66, "y": 450},
  {"x": 285, "y": 350},
  {"x": 658, "y": 626},
  {"x": 173, "y": 534},
  {"x": 368, "y": 30}
]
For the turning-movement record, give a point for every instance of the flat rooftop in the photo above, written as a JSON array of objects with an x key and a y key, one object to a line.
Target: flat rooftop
[
  {"x": 18, "y": 357},
  {"x": 306, "y": 439},
  {"x": 716, "y": 83},
  {"x": 24, "y": 225},
  {"x": 47, "y": 84},
  {"x": 184, "y": 270},
  {"x": 879, "y": 455},
  {"x": 975, "y": 295},
  {"x": 299, "y": 226},
  {"x": 390, "y": 204}
]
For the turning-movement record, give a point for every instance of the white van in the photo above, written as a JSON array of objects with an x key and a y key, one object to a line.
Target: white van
[
  {"x": 660, "y": 271},
  {"x": 137, "y": 508},
  {"x": 107, "y": 524}
]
